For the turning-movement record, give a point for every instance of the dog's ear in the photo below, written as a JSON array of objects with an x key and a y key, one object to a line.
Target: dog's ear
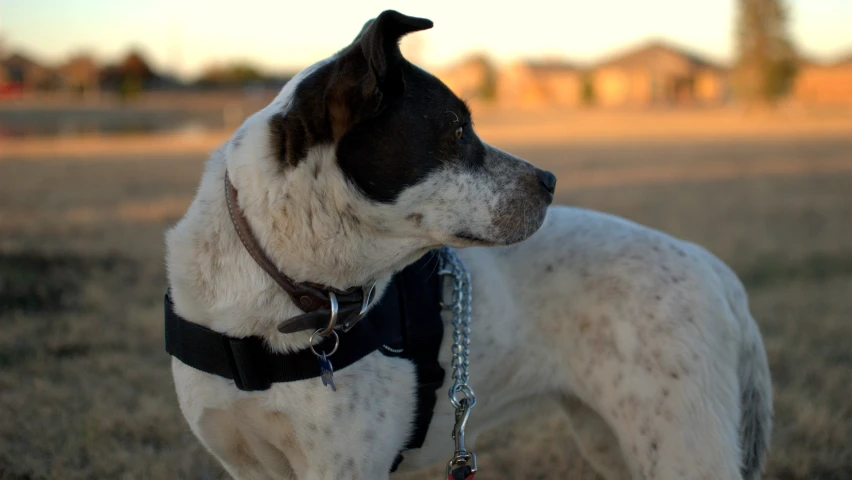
[
  {"x": 368, "y": 73},
  {"x": 363, "y": 29},
  {"x": 379, "y": 40}
]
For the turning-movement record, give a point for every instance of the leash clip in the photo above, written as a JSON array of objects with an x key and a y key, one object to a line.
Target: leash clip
[{"x": 463, "y": 464}]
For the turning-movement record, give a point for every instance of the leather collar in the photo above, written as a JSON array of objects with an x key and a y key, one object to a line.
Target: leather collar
[{"x": 311, "y": 298}]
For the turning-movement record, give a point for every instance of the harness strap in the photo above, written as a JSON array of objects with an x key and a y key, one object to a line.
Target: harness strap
[
  {"x": 252, "y": 366},
  {"x": 423, "y": 342},
  {"x": 406, "y": 323}
]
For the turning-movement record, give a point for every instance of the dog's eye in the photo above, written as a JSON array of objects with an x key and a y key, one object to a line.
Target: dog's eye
[{"x": 459, "y": 133}]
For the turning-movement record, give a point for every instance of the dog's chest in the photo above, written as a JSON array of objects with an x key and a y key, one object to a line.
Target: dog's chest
[{"x": 305, "y": 422}]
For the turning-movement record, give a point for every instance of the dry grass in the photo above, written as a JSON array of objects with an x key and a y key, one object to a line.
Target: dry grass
[{"x": 85, "y": 389}]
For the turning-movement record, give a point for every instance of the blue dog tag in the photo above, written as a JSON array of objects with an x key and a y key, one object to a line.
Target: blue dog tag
[{"x": 326, "y": 372}]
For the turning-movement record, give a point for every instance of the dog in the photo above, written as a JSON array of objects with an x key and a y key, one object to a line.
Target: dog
[{"x": 364, "y": 163}]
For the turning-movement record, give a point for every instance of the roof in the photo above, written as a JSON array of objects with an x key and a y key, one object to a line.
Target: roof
[
  {"x": 78, "y": 63},
  {"x": 551, "y": 66},
  {"x": 21, "y": 60},
  {"x": 645, "y": 52}
]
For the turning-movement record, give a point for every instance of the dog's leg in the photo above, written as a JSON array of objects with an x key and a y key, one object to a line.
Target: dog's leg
[
  {"x": 237, "y": 453},
  {"x": 680, "y": 425},
  {"x": 595, "y": 440}
]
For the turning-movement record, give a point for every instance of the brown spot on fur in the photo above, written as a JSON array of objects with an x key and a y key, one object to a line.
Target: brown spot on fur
[
  {"x": 285, "y": 426},
  {"x": 416, "y": 218},
  {"x": 608, "y": 286},
  {"x": 349, "y": 216},
  {"x": 224, "y": 437},
  {"x": 241, "y": 451},
  {"x": 238, "y": 138}
]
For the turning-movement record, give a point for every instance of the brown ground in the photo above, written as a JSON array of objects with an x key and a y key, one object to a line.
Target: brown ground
[{"x": 85, "y": 390}]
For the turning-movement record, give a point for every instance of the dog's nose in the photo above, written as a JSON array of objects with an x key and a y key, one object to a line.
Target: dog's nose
[{"x": 547, "y": 180}]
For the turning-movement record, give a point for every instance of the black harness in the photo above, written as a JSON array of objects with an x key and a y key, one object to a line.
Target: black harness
[{"x": 405, "y": 323}]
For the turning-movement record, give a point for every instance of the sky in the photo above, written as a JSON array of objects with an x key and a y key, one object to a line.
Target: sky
[{"x": 280, "y": 36}]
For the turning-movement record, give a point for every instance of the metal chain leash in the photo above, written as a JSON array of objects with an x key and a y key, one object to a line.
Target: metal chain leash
[{"x": 462, "y": 466}]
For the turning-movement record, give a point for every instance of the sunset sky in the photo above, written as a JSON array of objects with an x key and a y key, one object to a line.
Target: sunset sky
[{"x": 186, "y": 35}]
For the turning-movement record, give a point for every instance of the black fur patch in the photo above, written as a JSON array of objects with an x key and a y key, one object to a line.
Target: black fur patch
[
  {"x": 413, "y": 136},
  {"x": 305, "y": 124}
]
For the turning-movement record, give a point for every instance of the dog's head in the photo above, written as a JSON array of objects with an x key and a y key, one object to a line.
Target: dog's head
[{"x": 371, "y": 145}]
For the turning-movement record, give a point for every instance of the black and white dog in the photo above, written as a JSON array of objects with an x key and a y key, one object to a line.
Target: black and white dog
[{"x": 363, "y": 164}]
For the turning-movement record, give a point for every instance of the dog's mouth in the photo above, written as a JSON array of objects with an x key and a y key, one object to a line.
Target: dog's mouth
[{"x": 471, "y": 239}]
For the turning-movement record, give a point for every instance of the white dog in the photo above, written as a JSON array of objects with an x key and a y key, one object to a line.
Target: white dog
[{"x": 363, "y": 164}]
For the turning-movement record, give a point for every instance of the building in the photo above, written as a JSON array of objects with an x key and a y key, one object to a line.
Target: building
[
  {"x": 21, "y": 72},
  {"x": 80, "y": 73},
  {"x": 473, "y": 78},
  {"x": 825, "y": 84},
  {"x": 532, "y": 84},
  {"x": 521, "y": 84},
  {"x": 658, "y": 73}
]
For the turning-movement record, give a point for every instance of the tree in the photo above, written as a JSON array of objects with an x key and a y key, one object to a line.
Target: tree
[
  {"x": 486, "y": 88},
  {"x": 135, "y": 66},
  {"x": 231, "y": 74},
  {"x": 766, "y": 59},
  {"x": 587, "y": 92},
  {"x": 130, "y": 76}
]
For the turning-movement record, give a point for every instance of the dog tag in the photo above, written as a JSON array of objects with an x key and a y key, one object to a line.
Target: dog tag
[{"x": 326, "y": 372}]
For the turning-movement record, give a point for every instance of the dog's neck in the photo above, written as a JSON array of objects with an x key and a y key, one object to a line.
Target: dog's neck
[
  {"x": 308, "y": 222},
  {"x": 314, "y": 227}
]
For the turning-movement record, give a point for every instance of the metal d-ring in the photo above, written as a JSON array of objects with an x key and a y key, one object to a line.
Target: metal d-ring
[
  {"x": 466, "y": 391},
  {"x": 336, "y": 343},
  {"x": 367, "y": 295},
  {"x": 332, "y": 318}
]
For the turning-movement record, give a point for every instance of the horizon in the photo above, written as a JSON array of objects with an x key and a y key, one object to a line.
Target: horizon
[{"x": 170, "y": 36}]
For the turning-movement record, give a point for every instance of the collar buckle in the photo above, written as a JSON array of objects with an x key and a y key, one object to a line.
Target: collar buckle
[{"x": 366, "y": 299}]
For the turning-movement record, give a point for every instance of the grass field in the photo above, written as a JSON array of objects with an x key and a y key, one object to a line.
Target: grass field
[{"x": 85, "y": 388}]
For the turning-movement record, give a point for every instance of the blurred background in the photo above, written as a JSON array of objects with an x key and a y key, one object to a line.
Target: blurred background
[{"x": 727, "y": 123}]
